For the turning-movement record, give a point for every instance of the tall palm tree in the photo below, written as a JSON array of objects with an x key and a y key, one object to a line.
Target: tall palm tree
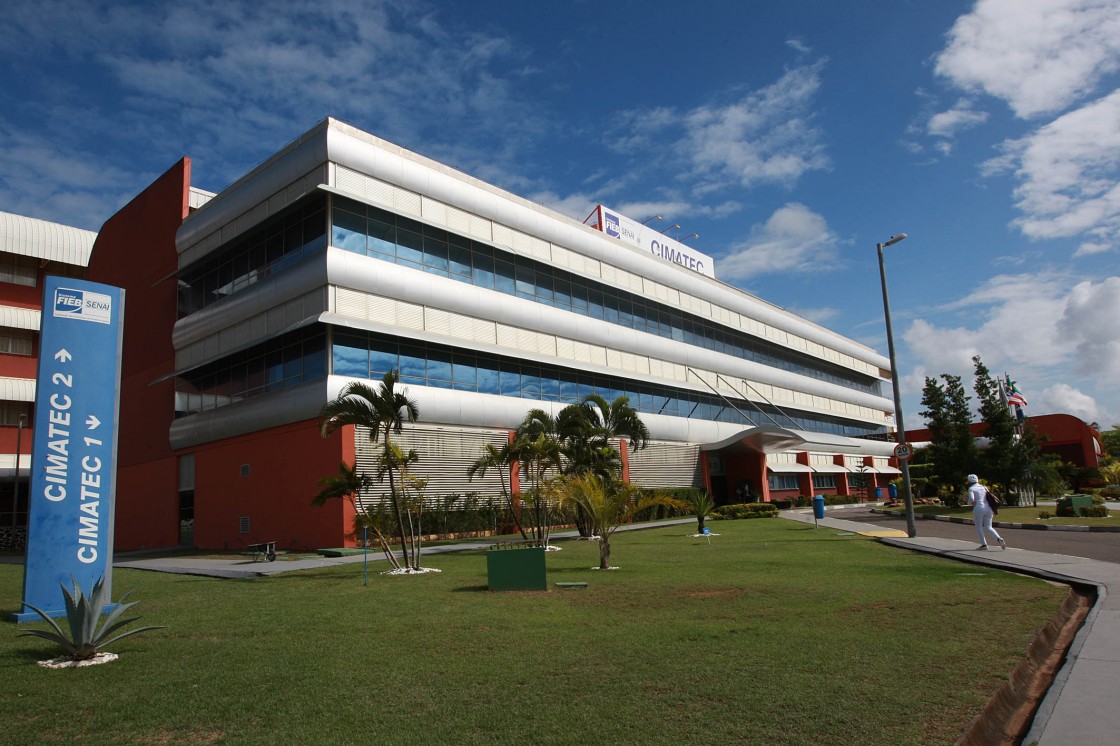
[
  {"x": 501, "y": 459},
  {"x": 383, "y": 410},
  {"x": 346, "y": 485},
  {"x": 537, "y": 446},
  {"x": 616, "y": 420}
]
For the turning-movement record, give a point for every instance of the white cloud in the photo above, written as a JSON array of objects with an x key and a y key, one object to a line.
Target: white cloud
[
  {"x": 1040, "y": 56},
  {"x": 1066, "y": 399},
  {"x": 765, "y": 136},
  {"x": 1047, "y": 329},
  {"x": 961, "y": 117},
  {"x": 1068, "y": 175},
  {"x": 1090, "y": 319},
  {"x": 231, "y": 82},
  {"x": 793, "y": 238}
]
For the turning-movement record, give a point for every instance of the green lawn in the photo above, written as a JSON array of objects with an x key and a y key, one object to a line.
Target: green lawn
[
  {"x": 776, "y": 632},
  {"x": 1008, "y": 514}
]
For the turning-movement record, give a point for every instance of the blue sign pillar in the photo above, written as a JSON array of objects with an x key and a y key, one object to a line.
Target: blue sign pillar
[{"x": 73, "y": 461}]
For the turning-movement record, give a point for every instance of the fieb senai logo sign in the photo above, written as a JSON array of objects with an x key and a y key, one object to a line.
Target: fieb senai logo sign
[{"x": 83, "y": 305}]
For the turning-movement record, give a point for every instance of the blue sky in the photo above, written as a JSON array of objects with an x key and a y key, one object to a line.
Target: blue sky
[{"x": 792, "y": 136}]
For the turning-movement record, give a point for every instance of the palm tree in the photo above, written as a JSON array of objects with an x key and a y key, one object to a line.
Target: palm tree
[
  {"x": 383, "y": 410},
  {"x": 501, "y": 459},
  {"x": 346, "y": 485},
  {"x": 616, "y": 420},
  {"x": 608, "y": 505},
  {"x": 701, "y": 503}
]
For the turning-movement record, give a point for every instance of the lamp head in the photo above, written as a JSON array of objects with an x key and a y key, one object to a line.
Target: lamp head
[{"x": 894, "y": 239}]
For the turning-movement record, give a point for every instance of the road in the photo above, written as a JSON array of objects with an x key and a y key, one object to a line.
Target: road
[{"x": 1104, "y": 546}]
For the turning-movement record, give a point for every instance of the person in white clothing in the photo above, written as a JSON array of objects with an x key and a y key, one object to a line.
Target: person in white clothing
[{"x": 982, "y": 512}]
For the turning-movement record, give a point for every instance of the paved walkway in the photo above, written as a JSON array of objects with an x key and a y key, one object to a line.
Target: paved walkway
[{"x": 1079, "y": 707}]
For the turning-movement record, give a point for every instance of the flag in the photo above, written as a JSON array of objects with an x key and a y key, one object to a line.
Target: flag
[{"x": 1014, "y": 396}]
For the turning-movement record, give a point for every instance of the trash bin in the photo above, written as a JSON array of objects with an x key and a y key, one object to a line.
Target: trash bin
[
  {"x": 818, "y": 506},
  {"x": 878, "y": 493},
  {"x": 1072, "y": 505},
  {"x": 892, "y": 490}
]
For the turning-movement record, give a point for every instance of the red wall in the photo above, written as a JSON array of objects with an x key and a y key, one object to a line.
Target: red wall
[
  {"x": 284, "y": 465},
  {"x": 135, "y": 249}
]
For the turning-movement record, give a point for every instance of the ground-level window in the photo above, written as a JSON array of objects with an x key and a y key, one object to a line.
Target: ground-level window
[
  {"x": 783, "y": 482},
  {"x": 824, "y": 481}
]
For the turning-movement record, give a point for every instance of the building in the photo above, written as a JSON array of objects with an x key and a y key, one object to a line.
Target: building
[
  {"x": 1061, "y": 435},
  {"x": 344, "y": 256},
  {"x": 29, "y": 250}
]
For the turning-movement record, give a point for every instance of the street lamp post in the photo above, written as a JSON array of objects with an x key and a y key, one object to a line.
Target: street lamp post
[{"x": 907, "y": 495}]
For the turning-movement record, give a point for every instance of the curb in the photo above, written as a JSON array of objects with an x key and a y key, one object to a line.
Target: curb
[{"x": 1005, "y": 524}]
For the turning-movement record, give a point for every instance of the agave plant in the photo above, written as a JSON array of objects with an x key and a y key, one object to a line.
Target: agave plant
[{"x": 83, "y": 613}]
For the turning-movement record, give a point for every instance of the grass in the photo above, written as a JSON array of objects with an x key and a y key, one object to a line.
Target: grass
[
  {"x": 776, "y": 632},
  {"x": 1009, "y": 514}
]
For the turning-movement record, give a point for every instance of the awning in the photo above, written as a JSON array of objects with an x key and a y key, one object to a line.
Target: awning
[
  {"x": 789, "y": 468},
  {"x": 829, "y": 469}
]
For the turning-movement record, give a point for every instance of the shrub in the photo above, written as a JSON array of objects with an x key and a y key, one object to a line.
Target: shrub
[
  {"x": 1095, "y": 511},
  {"x": 803, "y": 501},
  {"x": 83, "y": 614},
  {"x": 782, "y": 503},
  {"x": 1044, "y": 514},
  {"x": 745, "y": 510}
]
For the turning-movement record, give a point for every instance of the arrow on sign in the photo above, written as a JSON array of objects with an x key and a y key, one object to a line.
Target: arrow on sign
[
  {"x": 63, "y": 356},
  {"x": 92, "y": 422}
]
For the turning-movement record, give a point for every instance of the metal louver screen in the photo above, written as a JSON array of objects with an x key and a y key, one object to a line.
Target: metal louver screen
[
  {"x": 666, "y": 465},
  {"x": 445, "y": 455}
]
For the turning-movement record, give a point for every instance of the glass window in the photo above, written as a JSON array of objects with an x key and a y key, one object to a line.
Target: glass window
[
  {"x": 410, "y": 248},
  {"x": 349, "y": 232},
  {"x": 382, "y": 238},
  {"x": 484, "y": 271},
  {"x": 314, "y": 357},
  {"x": 526, "y": 282},
  {"x": 412, "y": 364},
  {"x": 382, "y": 359},
  {"x": 463, "y": 371},
  {"x": 510, "y": 378},
  {"x": 435, "y": 254},
  {"x": 503, "y": 277},
  {"x": 488, "y": 377},
  {"x": 439, "y": 367},
  {"x": 460, "y": 259},
  {"x": 351, "y": 358}
]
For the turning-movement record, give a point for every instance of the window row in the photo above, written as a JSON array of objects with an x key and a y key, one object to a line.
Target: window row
[
  {"x": 279, "y": 363},
  {"x": 370, "y": 231},
  {"x": 371, "y": 355},
  {"x": 272, "y": 247}
]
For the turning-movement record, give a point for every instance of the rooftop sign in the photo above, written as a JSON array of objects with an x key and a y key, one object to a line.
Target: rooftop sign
[{"x": 617, "y": 225}]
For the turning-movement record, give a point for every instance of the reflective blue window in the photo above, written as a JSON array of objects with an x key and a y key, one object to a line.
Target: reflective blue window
[{"x": 411, "y": 243}]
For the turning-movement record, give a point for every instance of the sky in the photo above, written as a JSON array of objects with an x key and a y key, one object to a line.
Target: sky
[{"x": 792, "y": 136}]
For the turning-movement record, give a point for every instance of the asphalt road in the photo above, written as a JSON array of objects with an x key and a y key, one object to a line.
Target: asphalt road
[{"x": 1104, "y": 546}]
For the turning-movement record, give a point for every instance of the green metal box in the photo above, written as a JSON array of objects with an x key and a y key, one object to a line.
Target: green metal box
[{"x": 519, "y": 569}]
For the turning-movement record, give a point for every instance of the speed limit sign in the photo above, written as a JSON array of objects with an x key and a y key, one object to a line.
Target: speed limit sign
[{"x": 903, "y": 451}]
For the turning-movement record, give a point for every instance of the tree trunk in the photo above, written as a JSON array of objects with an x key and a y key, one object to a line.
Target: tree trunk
[
  {"x": 604, "y": 551},
  {"x": 700, "y": 524}
]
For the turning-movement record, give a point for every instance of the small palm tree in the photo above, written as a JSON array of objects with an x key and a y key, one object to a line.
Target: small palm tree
[
  {"x": 702, "y": 504},
  {"x": 383, "y": 410},
  {"x": 608, "y": 505}
]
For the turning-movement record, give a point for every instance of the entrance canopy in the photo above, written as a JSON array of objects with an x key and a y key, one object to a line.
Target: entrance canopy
[{"x": 774, "y": 439}]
